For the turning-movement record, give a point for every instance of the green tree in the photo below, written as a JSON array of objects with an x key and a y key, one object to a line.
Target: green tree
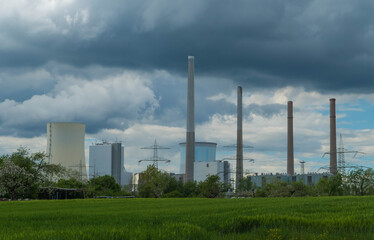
[
  {"x": 361, "y": 182},
  {"x": 212, "y": 187},
  {"x": 153, "y": 182},
  {"x": 190, "y": 189},
  {"x": 299, "y": 189},
  {"x": 336, "y": 185},
  {"x": 332, "y": 186},
  {"x": 104, "y": 186},
  {"x": 22, "y": 174},
  {"x": 277, "y": 188},
  {"x": 323, "y": 187},
  {"x": 245, "y": 184},
  {"x": 174, "y": 186},
  {"x": 70, "y": 183}
]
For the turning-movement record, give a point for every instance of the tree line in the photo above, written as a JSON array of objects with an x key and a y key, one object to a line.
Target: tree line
[{"x": 25, "y": 175}]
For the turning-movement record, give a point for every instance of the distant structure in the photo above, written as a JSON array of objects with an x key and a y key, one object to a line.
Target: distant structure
[
  {"x": 333, "y": 162},
  {"x": 239, "y": 140},
  {"x": 290, "y": 157},
  {"x": 155, "y": 158},
  {"x": 220, "y": 168},
  {"x": 108, "y": 159},
  {"x": 260, "y": 180},
  {"x": 342, "y": 166},
  {"x": 341, "y": 157},
  {"x": 302, "y": 167},
  {"x": 205, "y": 162},
  {"x": 204, "y": 152},
  {"x": 190, "y": 135},
  {"x": 65, "y": 146}
]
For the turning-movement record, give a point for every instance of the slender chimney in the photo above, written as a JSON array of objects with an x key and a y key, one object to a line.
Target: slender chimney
[
  {"x": 239, "y": 140},
  {"x": 190, "y": 135},
  {"x": 333, "y": 162},
  {"x": 290, "y": 159}
]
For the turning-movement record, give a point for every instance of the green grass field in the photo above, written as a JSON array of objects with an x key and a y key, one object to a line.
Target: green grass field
[{"x": 260, "y": 218}]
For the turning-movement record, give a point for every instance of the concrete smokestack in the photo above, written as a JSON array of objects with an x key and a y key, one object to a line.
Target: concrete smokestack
[
  {"x": 239, "y": 139},
  {"x": 333, "y": 162},
  {"x": 190, "y": 135},
  {"x": 290, "y": 158}
]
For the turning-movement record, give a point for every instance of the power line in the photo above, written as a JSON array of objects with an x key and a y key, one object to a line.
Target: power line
[
  {"x": 155, "y": 158},
  {"x": 341, "y": 151}
]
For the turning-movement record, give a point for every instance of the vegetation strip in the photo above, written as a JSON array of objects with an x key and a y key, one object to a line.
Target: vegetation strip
[{"x": 193, "y": 218}]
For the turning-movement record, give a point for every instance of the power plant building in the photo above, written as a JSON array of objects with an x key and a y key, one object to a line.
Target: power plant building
[
  {"x": 260, "y": 180},
  {"x": 108, "y": 159},
  {"x": 65, "y": 146},
  {"x": 204, "y": 152},
  {"x": 203, "y": 169}
]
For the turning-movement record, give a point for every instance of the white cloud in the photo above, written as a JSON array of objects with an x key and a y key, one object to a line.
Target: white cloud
[{"x": 125, "y": 95}]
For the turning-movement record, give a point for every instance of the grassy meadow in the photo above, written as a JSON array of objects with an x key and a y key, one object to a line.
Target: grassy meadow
[{"x": 259, "y": 218}]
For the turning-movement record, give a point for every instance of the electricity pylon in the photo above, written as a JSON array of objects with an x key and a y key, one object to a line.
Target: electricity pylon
[{"x": 155, "y": 158}]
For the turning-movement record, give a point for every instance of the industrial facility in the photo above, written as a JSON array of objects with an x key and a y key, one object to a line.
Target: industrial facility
[
  {"x": 197, "y": 165},
  {"x": 108, "y": 159},
  {"x": 65, "y": 146},
  {"x": 205, "y": 162}
]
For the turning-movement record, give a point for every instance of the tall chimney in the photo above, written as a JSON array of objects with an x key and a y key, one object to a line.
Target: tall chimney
[
  {"x": 290, "y": 159},
  {"x": 190, "y": 135},
  {"x": 239, "y": 140},
  {"x": 333, "y": 162}
]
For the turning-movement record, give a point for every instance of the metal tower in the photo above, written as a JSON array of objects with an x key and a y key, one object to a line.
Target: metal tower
[
  {"x": 155, "y": 158},
  {"x": 239, "y": 171},
  {"x": 81, "y": 167},
  {"x": 341, "y": 151},
  {"x": 302, "y": 167},
  {"x": 341, "y": 160}
]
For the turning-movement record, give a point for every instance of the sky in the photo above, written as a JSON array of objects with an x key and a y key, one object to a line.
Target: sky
[{"x": 120, "y": 67}]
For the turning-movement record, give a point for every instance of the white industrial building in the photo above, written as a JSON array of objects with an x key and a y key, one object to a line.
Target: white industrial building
[
  {"x": 108, "y": 159},
  {"x": 205, "y": 162},
  {"x": 204, "y": 152},
  {"x": 65, "y": 146},
  {"x": 203, "y": 169}
]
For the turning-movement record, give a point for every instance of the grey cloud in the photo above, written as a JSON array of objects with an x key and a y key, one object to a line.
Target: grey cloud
[
  {"x": 267, "y": 110},
  {"x": 325, "y": 45}
]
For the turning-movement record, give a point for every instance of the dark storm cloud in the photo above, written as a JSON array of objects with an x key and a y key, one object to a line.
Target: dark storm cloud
[{"x": 317, "y": 44}]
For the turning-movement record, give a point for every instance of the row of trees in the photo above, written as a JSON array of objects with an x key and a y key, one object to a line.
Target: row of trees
[
  {"x": 155, "y": 183},
  {"x": 358, "y": 182},
  {"x": 23, "y": 175}
]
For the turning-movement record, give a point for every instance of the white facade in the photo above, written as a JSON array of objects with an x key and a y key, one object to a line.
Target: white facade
[
  {"x": 203, "y": 169},
  {"x": 204, "y": 152},
  {"x": 108, "y": 159},
  {"x": 65, "y": 146}
]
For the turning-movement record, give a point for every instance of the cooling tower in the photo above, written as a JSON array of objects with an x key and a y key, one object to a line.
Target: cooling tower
[
  {"x": 65, "y": 146},
  {"x": 290, "y": 158},
  {"x": 333, "y": 162},
  {"x": 190, "y": 134}
]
